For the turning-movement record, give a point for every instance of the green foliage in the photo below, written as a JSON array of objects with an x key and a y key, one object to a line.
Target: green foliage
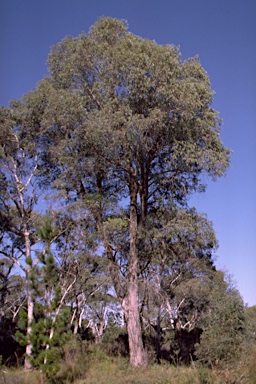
[
  {"x": 40, "y": 338},
  {"x": 115, "y": 341},
  {"x": 50, "y": 325},
  {"x": 47, "y": 349},
  {"x": 46, "y": 230},
  {"x": 150, "y": 107},
  {"x": 124, "y": 131},
  {"x": 153, "y": 111},
  {"x": 74, "y": 364},
  {"x": 22, "y": 326},
  {"x": 224, "y": 327}
]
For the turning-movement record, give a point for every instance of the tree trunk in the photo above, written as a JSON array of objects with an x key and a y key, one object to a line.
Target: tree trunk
[
  {"x": 130, "y": 303},
  {"x": 30, "y": 304},
  {"x": 138, "y": 356}
]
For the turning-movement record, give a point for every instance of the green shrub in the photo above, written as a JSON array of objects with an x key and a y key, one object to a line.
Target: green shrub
[
  {"x": 74, "y": 362},
  {"x": 115, "y": 341},
  {"x": 223, "y": 335}
]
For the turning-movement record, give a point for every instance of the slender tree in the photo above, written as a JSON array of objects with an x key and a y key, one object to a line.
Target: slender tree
[{"x": 18, "y": 164}]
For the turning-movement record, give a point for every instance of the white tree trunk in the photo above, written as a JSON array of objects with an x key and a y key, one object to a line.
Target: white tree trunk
[{"x": 30, "y": 304}]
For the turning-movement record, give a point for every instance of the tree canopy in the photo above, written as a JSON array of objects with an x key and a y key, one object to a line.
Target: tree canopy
[{"x": 125, "y": 132}]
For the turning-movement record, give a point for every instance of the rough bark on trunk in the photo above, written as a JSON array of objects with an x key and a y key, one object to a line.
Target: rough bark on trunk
[
  {"x": 130, "y": 303},
  {"x": 138, "y": 355},
  {"x": 128, "y": 292}
]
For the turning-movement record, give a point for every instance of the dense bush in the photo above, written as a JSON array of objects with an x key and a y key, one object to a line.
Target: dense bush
[{"x": 224, "y": 328}]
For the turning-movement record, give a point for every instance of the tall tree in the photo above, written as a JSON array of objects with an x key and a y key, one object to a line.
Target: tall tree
[{"x": 128, "y": 129}]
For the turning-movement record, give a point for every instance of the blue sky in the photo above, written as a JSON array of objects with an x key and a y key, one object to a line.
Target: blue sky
[{"x": 222, "y": 33}]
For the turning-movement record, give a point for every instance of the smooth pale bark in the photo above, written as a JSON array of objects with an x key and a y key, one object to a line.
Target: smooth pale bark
[
  {"x": 27, "y": 364},
  {"x": 30, "y": 303}
]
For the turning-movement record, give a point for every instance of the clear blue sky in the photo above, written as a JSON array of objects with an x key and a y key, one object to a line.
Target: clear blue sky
[{"x": 222, "y": 33}]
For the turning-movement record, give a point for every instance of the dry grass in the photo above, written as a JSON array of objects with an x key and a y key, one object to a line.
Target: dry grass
[
  {"x": 19, "y": 376},
  {"x": 108, "y": 372},
  {"x": 98, "y": 368}
]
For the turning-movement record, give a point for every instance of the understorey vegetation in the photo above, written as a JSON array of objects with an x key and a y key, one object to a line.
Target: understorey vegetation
[{"x": 102, "y": 259}]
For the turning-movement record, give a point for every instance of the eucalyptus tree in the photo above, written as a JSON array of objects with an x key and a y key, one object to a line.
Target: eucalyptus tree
[{"x": 128, "y": 129}]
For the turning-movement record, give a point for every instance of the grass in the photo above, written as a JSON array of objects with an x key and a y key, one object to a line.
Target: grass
[
  {"x": 95, "y": 367},
  {"x": 113, "y": 373},
  {"x": 18, "y": 376},
  {"x": 118, "y": 371}
]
